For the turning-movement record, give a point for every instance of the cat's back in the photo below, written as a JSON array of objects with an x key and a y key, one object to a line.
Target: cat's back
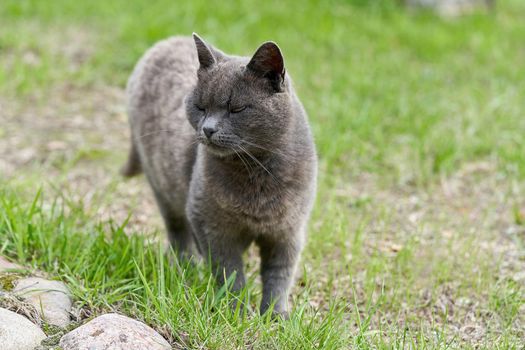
[
  {"x": 164, "y": 74},
  {"x": 161, "y": 133}
]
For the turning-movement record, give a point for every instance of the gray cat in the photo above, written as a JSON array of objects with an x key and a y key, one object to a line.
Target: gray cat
[{"x": 227, "y": 149}]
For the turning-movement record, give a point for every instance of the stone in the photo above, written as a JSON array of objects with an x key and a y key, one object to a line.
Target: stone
[
  {"x": 51, "y": 299},
  {"x": 452, "y": 8},
  {"x": 115, "y": 332},
  {"x": 6, "y": 265},
  {"x": 519, "y": 277},
  {"x": 17, "y": 332}
]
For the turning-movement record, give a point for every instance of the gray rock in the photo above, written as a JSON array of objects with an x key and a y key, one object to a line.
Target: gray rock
[
  {"x": 115, "y": 332},
  {"x": 452, "y": 8},
  {"x": 6, "y": 265},
  {"x": 51, "y": 299},
  {"x": 17, "y": 332}
]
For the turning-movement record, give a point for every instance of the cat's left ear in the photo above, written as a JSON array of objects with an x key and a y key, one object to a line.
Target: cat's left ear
[
  {"x": 268, "y": 62},
  {"x": 206, "y": 55}
]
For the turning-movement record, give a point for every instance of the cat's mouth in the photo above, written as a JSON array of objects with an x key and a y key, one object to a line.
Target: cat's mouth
[{"x": 216, "y": 147}]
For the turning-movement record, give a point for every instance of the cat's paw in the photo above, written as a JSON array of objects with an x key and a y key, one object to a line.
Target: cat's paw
[
  {"x": 276, "y": 314},
  {"x": 283, "y": 315}
]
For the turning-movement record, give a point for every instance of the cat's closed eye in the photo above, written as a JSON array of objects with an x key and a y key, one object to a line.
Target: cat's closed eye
[
  {"x": 202, "y": 109},
  {"x": 237, "y": 109}
]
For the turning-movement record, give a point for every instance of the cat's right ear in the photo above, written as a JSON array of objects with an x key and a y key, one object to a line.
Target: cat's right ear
[
  {"x": 204, "y": 52},
  {"x": 268, "y": 62}
]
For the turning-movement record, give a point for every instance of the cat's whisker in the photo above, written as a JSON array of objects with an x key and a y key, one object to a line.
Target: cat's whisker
[
  {"x": 258, "y": 162},
  {"x": 243, "y": 162},
  {"x": 153, "y": 133},
  {"x": 263, "y": 148},
  {"x": 248, "y": 163},
  {"x": 194, "y": 141},
  {"x": 157, "y": 132}
]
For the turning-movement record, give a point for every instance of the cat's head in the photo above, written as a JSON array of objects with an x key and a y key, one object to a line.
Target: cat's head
[{"x": 240, "y": 103}]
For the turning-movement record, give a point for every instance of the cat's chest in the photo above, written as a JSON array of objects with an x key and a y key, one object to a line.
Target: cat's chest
[
  {"x": 251, "y": 197},
  {"x": 256, "y": 198},
  {"x": 257, "y": 203}
]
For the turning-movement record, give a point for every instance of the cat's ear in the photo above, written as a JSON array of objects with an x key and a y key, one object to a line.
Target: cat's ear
[
  {"x": 268, "y": 62},
  {"x": 204, "y": 52}
]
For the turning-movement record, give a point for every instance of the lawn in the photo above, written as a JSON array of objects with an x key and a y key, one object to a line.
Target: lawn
[{"x": 417, "y": 239}]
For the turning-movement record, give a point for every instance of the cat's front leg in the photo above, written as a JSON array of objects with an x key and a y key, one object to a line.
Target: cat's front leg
[
  {"x": 226, "y": 261},
  {"x": 279, "y": 257},
  {"x": 223, "y": 250},
  {"x": 216, "y": 238}
]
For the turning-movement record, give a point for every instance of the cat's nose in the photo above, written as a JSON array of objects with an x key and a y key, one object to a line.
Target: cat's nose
[{"x": 209, "y": 131}]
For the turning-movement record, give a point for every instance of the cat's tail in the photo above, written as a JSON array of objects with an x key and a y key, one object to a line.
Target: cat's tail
[{"x": 133, "y": 166}]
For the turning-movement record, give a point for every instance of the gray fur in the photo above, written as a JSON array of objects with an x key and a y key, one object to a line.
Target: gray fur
[{"x": 226, "y": 147}]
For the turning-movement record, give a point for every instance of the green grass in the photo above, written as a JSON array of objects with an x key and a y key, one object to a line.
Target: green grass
[
  {"x": 107, "y": 269},
  {"x": 401, "y": 105}
]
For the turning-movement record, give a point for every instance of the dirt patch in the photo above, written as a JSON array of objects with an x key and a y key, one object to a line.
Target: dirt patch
[{"x": 74, "y": 143}]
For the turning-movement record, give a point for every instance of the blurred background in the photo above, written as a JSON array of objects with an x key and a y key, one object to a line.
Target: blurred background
[
  {"x": 389, "y": 85},
  {"x": 417, "y": 107}
]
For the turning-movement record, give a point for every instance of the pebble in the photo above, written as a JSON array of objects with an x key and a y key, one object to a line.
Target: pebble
[
  {"x": 17, "y": 332},
  {"x": 115, "y": 332},
  {"x": 51, "y": 299},
  {"x": 6, "y": 265}
]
